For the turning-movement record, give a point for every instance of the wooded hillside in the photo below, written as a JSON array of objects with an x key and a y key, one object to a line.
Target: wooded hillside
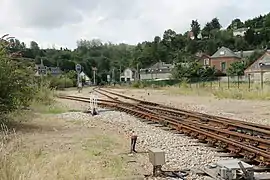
[{"x": 171, "y": 47}]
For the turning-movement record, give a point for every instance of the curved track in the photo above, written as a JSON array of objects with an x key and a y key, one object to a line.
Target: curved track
[{"x": 239, "y": 137}]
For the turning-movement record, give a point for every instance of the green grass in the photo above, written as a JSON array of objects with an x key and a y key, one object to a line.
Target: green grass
[{"x": 48, "y": 109}]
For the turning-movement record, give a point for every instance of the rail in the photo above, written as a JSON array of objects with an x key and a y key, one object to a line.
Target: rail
[{"x": 249, "y": 146}]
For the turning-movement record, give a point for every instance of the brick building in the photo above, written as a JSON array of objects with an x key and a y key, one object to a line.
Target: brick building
[
  {"x": 203, "y": 59},
  {"x": 223, "y": 58}
]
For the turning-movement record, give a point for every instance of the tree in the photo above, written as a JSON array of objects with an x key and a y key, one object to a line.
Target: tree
[
  {"x": 236, "y": 23},
  {"x": 172, "y": 47},
  {"x": 236, "y": 69},
  {"x": 215, "y": 24},
  {"x": 195, "y": 28},
  {"x": 16, "y": 81}
]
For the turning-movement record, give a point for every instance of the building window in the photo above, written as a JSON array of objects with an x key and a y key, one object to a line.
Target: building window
[
  {"x": 223, "y": 66},
  {"x": 128, "y": 73},
  {"x": 222, "y": 52},
  {"x": 206, "y": 62}
]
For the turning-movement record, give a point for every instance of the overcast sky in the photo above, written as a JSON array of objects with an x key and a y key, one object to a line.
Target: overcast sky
[{"x": 62, "y": 22}]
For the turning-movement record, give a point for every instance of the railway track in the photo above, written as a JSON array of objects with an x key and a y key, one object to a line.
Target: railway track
[{"x": 238, "y": 137}]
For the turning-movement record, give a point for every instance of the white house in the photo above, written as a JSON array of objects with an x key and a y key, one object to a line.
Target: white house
[
  {"x": 160, "y": 70},
  {"x": 240, "y": 32},
  {"x": 128, "y": 75},
  {"x": 85, "y": 77}
]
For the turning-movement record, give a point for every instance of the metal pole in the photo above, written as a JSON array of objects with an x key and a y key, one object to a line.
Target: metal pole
[
  {"x": 261, "y": 79},
  {"x": 120, "y": 74},
  {"x": 113, "y": 76},
  {"x": 137, "y": 75},
  {"x": 94, "y": 76},
  {"x": 248, "y": 81},
  {"x": 78, "y": 79}
]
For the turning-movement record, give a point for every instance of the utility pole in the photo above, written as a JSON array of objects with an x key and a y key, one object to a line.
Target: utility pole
[
  {"x": 138, "y": 75},
  {"x": 94, "y": 69},
  {"x": 113, "y": 76},
  {"x": 120, "y": 73}
]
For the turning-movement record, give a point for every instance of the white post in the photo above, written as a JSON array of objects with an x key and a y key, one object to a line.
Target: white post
[{"x": 93, "y": 103}]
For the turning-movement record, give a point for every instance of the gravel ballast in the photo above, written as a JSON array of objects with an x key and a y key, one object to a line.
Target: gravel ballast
[{"x": 181, "y": 151}]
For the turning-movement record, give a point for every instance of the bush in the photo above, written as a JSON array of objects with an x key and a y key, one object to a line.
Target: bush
[
  {"x": 16, "y": 82},
  {"x": 136, "y": 84},
  {"x": 61, "y": 82},
  {"x": 44, "y": 93}
]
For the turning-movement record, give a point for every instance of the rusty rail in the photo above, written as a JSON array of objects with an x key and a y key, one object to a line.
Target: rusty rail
[
  {"x": 237, "y": 125},
  {"x": 235, "y": 142}
]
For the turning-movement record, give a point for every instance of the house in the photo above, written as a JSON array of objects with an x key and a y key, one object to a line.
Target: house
[
  {"x": 129, "y": 75},
  {"x": 82, "y": 75},
  {"x": 244, "y": 54},
  {"x": 160, "y": 71},
  {"x": 203, "y": 59},
  {"x": 240, "y": 32},
  {"x": 260, "y": 69},
  {"x": 40, "y": 69},
  {"x": 223, "y": 58}
]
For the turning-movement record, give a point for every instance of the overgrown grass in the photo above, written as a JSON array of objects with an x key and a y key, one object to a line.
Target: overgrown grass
[
  {"x": 221, "y": 90},
  {"x": 254, "y": 92},
  {"x": 88, "y": 158},
  {"x": 52, "y": 149}
]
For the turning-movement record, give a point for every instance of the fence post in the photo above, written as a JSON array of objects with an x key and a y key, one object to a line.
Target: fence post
[
  {"x": 218, "y": 82},
  {"x": 228, "y": 82},
  {"x": 261, "y": 80},
  {"x": 249, "y": 82},
  {"x": 238, "y": 81}
]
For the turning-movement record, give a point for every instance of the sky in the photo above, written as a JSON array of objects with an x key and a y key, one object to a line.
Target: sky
[{"x": 60, "y": 23}]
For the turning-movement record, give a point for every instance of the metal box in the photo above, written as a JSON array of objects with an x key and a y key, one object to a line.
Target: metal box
[{"x": 156, "y": 157}]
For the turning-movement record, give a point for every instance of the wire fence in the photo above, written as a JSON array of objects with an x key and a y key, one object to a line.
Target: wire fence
[
  {"x": 229, "y": 82},
  {"x": 225, "y": 82}
]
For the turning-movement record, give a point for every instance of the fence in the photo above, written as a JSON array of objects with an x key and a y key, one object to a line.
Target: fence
[
  {"x": 228, "y": 82},
  {"x": 225, "y": 82}
]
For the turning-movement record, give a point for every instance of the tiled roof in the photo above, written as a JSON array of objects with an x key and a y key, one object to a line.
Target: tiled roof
[
  {"x": 160, "y": 65},
  {"x": 224, "y": 52},
  {"x": 245, "y": 53},
  {"x": 257, "y": 65}
]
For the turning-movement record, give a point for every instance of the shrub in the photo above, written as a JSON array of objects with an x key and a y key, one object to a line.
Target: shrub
[
  {"x": 16, "y": 82},
  {"x": 44, "y": 94},
  {"x": 61, "y": 82},
  {"x": 136, "y": 84}
]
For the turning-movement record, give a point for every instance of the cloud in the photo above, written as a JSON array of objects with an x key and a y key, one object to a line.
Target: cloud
[{"x": 62, "y": 22}]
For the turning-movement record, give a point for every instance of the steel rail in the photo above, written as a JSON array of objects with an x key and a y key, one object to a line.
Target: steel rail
[
  {"x": 146, "y": 113},
  {"x": 255, "y": 127},
  {"x": 233, "y": 145}
]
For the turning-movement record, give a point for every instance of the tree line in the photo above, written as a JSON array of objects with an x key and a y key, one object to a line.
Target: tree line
[{"x": 172, "y": 47}]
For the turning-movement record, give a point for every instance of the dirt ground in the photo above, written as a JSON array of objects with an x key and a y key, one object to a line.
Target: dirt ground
[{"x": 53, "y": 145}]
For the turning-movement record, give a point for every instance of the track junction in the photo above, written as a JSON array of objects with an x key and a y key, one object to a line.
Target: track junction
[{"x": 248, "y": 140}]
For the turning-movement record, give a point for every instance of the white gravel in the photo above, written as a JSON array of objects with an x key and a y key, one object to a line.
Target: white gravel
[{"x": 181, "y": 152}]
